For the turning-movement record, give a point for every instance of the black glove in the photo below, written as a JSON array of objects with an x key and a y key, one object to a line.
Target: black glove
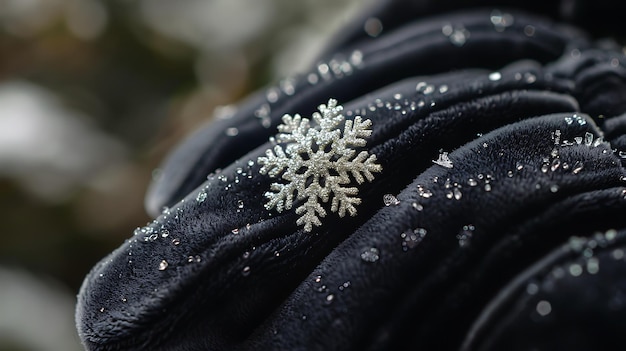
[{"x": 492, "y": 217}]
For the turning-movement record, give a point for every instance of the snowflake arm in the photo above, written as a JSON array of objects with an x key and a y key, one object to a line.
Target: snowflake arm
[{"x": 316, "y": 164}]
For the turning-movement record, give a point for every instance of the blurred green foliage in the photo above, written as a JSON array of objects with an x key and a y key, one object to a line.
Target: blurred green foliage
[{"x": 124, "y": 80}]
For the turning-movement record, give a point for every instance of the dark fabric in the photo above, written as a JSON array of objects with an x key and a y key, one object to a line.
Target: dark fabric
[{"x": 517, "y": 244}]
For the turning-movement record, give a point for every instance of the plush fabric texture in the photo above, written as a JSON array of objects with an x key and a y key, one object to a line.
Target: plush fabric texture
[{"x": 516, "y": 241}]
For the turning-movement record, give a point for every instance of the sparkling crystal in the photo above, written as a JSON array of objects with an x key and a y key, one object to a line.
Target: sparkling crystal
[
  {"x": 319, "y": 179},
  {"x": 389, "y": 199},
  {"x": 443, "y": 160},
  {"x": 370, "y": 255}
]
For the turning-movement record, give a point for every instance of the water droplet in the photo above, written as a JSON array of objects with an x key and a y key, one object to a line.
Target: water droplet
[
  {"x": 272, "y": 95},
  {"x": 532, "y": 289},
  {"x": 329, "y": 299},
  {"x": 465, "y": 235},
  {"x": 495, "y": 76},
  {"x": 575, "y": 270},
  {"x": 417, "y": 206},
  {"x": 412, "y": 237},
  {"x": 202, "y": 195},
  {"x": 544, "y": 308},
  {"x": 578, "y": 166},
  {"x": 287, "y": 86},
  {"x": 530, "y": 78},
  {"x": 545, "y": 167},
  {"x": 555, "y": 164},
  {"x": 501, "y": 20},
  {"x": 246, "y": 254},
  {"x": 312, "y": 78},
  {"x": 580, "y": 119},
  {"x": 370, "y": 255},
  {"x": 610, "y": 234},
  {"x": 621, "y": 154},
  {"x": 344, "y": 286},
  {"x": 389, "y": 199},
  {"x": 101, "y": 309},
  {"x": 165, "y": 233},
  {"x": 373, "y": 27},
  {"x": 529, "y": 30},
  {"x": 459, "y": 36},
  {"x": 240, "y": 204},
  {"x": 163, "y": 265},
  {"x": 487, "y": 187},
  {"x": 617, "y": 254},
  {"x": 323, "y": 70},
  {"x": 235, "y": 231},
  {"x": 443, "y": 89},
  {"x": 554, "y": 188},
  {"x": 232, "y": 131},
  {"x": 195, "y": 258},
  {"x": 245, "y": 271},
  {"x": 176, "y": 241},
  {"x": 425, "y": 193},
  {"x": 593, "y": 266},
  {"x": 318, "y": 278},
  {"x": 457, "y": 193},
  {"x": 356, "y": 58},
  {"x": 472, "y": 182}
]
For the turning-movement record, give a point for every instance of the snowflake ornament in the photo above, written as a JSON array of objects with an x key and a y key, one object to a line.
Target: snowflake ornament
[{"x": 315, "y": 163}]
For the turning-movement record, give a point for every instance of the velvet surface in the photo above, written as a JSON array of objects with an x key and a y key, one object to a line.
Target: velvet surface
[{"x": 517, "y": 243}]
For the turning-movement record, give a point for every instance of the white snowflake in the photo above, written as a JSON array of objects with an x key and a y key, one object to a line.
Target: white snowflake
[{"x": 316, "y": 163}]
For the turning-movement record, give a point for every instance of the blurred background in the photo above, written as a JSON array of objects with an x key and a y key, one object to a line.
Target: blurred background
[{"x": 93, "y": 94}]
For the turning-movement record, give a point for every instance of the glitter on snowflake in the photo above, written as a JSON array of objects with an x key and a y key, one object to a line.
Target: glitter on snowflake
[{"x": 316, "y": 162}]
